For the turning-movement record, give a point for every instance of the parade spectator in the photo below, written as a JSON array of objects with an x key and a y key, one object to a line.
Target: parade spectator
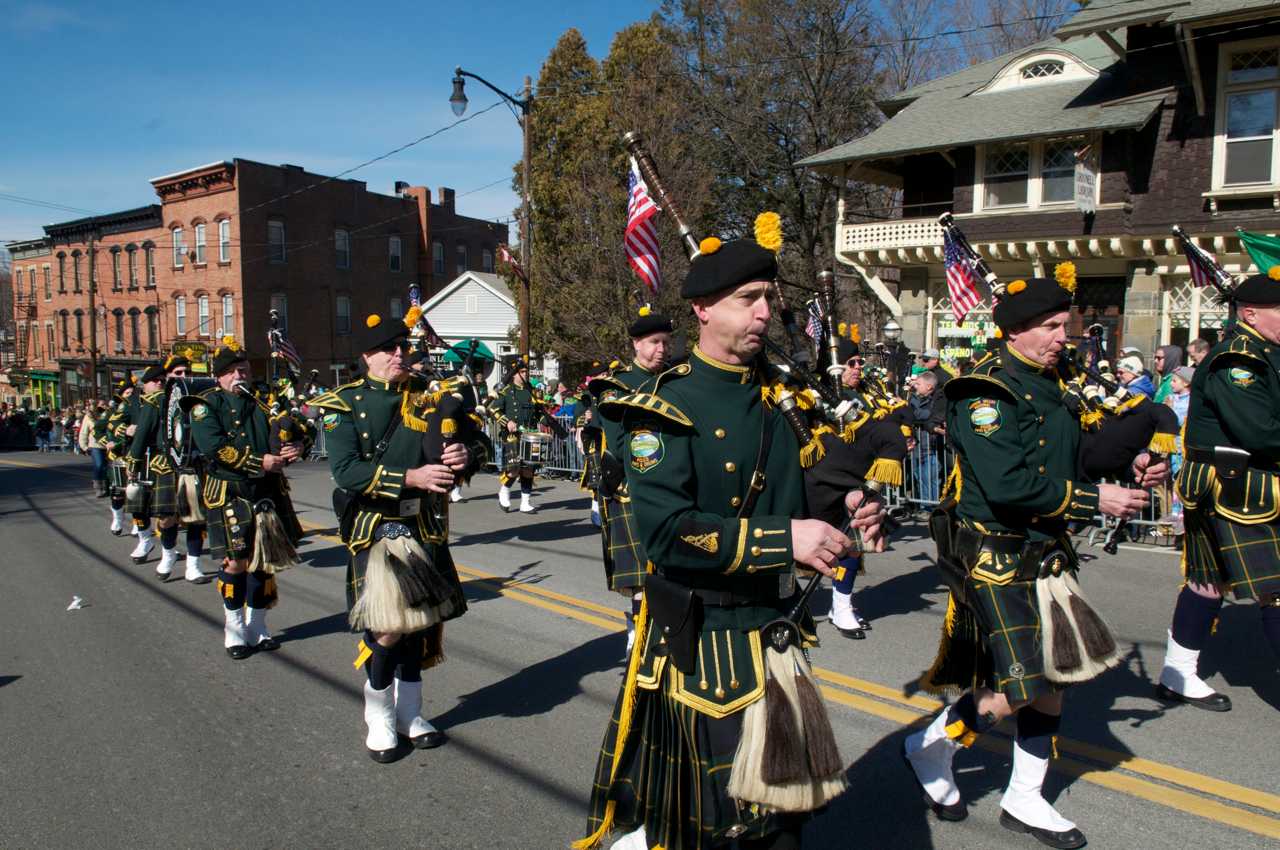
[
  {"x": 1179, "y": 399},
  {"x": 1133, "y": 376},
  {"x": 44, "y": 431},
  {"x": 929, "y": 360},
  {"x": 90, "y": 445},
  {"x": 928, "y": 409},
  {"x": 1198, "y": 348},
  {"x": 1167, "y": 358}
]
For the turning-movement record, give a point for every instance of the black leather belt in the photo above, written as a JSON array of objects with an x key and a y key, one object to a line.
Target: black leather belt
[
  {"x": 1199, "y": 455},
  {"x": 726, "y": 598},
  {"x": 1196, "y": 454}
]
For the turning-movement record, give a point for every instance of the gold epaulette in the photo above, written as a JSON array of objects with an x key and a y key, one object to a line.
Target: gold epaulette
[
  {"x": 154, "y": 399},
  {"x": 650, "y": 403},
  {"x": 332, "y": 401},
  {"x": 1242, "y": 345}
]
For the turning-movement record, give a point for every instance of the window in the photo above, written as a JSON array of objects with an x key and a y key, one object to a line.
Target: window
[
  {"x": 75, "y": 270},
  {"x": 134, "y": 312},
  {"x": 396, "y": 310},
  {"x": 462, "y": 258},
  {"x": 80, "y": 328},
  {"x": 153, "y": 329},
  {"x": 1246, "y": 145},
  {"x": 1029, "y": 175},
  {"x": 224, "y": 241},
  {"x": 48, "y": 283},
  {"x": 202, "y": 310},
  {"x": 393, "y": 253},
  {"x": 133, "y": 266},
  {"x": 228, "y": 314},
  {"x": 437, "y": 258},
  {"x": 342, "y": 315},
  {"x": 115, "y": 268},
  {"x": 1043, "y": 68},
  {"x": 180, "y": 315},
  {"x": 280, "y": 303},
  {"x": 66, "y": 337},
  {"x": 342, "y": 248},
  {"x": 200, "y": 244},
  {"x": 275, "y": 241},
  {"x": 149, "y": 259},
  {"x": 31, "y": 284},
  {"x": 22, "y": 340},
  {"x": 486, "y": 260},
  {"x": 62, "y": 272},
  {"x": 179, "y": 247},
  {"x": 119, "y": 317},
  {"x": 48, "y": 339}
]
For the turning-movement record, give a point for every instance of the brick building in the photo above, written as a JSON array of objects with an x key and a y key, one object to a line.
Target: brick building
[
  {"x": 1169, "y": 105},
  {"x": 227, "y": 243}
]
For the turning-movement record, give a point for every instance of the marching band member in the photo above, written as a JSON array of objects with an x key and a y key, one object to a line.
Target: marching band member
[
  {"x": 396, "y": 450},
  {"x": 1230, "y": 489},
  {"x": 516, "y": 408},
  {"x": 252, "y": 526},
  {"x": 109, "y": 431}
]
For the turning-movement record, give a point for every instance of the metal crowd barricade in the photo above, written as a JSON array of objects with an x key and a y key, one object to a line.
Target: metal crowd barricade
[{"x": 564, "y": 459}]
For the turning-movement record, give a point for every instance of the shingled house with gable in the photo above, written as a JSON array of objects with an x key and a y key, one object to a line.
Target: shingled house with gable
[{"x": 1170, "y": 105}]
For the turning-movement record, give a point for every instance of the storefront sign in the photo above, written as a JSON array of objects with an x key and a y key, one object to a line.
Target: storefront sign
[{"x": 1086, "y": 182}]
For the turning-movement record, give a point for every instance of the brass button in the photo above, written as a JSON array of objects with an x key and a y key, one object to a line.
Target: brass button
[
  {"x": 755, "y": 551},
  {"x": 719, "y": 433},
  {"x": 751, "y": 568},
  {"x": 758, "y": 533},
  {"x": 1042, "y": 470},
  {"x": 730, "y": 466},
  {"x": 1043, "y": 441},
  {"x": 734, "y": 502},
  {"x": 1035, "y": 519},
  {"x": 365, "y": 435},
  {"x": 1027, "y": 396},
  {"x": 1040, "y": 419}
]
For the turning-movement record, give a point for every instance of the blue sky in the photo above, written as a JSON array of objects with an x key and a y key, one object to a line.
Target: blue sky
[{"x": 104, "y": 96}]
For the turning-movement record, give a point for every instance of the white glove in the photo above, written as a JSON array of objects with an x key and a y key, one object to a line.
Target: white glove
[
  {"x": 843, "y": 407},
  {"x": 835, "y": 370}
]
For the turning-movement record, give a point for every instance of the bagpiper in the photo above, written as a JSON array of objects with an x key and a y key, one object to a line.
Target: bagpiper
[
  {"x": 1017, "y": 624},
  {"x": 716, "y": 677},
  {"x": 253, "y": 530},
  {"x": 1229, "y": 485},
  {"x": 625, "y": 562},
  {"x": 109, "y": 430},
  {"x": 515, "y": 409},
  {"x": 397, "y": 445}
]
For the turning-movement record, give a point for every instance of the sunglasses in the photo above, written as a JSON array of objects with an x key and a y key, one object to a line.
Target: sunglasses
[
  {"x": 393, "y": 346},
  {"x": 854, "y": 361}
]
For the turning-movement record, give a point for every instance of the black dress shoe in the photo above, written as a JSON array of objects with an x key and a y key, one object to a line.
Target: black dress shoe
[
  {"x": 1068, "y": 840},
  {"x": 953, "y": 813},
  {"x": 205, "y": 579},
  {"x": 268, "y": 644},
  {"x": 1213, "y": 702},
  {"x": 118, "y": 533},
  {"x": 429, "y": 741},
  {"x": 852, "y": 634},
  {"x": 239, "y": 652},
  {"x": 384, "y": 756}
]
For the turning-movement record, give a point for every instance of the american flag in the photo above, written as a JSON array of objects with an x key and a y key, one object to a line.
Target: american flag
[
  {"x": 1205, "y": 270},
  {"x": 962, "y": 283},
  {"x": 814, "y": 326},
  {"x": 281, "y": 346},
  {"x": 504, "y": 254},
  {"x": 641, "y": 237}
]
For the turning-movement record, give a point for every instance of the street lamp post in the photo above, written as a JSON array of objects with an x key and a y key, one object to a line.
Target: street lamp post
[
  {"x": 892, "y": 333},
  {"x": 458, "y": 102}
]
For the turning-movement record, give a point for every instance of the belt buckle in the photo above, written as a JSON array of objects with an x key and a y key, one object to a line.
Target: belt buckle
[{"x": 1054, "y": 564}]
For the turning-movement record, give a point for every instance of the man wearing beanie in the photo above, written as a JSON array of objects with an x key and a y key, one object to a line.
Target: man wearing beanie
[
  {"x": 1228, "y": 485},
  {"x": 625, "y": 562},
  {"x": 1016, "y": 624},
  {"x": 714, "y": 474}
]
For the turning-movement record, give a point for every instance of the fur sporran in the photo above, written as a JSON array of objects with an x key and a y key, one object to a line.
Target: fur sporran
[
  {"x": 190, "y": 509},
  {"x": 787, "y": 759},
  {"x": 273, "y": 550},
  {"x": 403, "y": 589},
  {"x": 1076, "y": 643}
]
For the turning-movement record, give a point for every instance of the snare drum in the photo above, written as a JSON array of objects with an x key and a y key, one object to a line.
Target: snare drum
[
  {"x": 534, "y": 448},
  {"x": 117, "y": 475}
]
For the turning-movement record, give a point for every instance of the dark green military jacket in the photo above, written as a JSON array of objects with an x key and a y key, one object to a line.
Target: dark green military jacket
[
  {"x": 232, "y": 432},
  {"x": 617, "y": 384},
  {"x": 1235, "y": 401},
  {"x": 356, "y": 417},
  {"x": 150, "y": 435},
  {"x": 517, "y": 404},
  {"x": 1018, "y": 448}
]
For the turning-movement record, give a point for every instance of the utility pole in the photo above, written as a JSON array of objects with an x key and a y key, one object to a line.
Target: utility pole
[
  {"x": 93, "y": 318},
  {"x": 526, "y": 249}
]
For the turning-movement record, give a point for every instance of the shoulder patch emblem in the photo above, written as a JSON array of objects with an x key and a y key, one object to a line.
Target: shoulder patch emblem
[
  {"x": 1242, "y": 377},
  {"x": 646, "y": 450},
  {"x": 200, "y": 411},
  {"x": 330, "y": 422},
  {"x": 984, "y": 416}
]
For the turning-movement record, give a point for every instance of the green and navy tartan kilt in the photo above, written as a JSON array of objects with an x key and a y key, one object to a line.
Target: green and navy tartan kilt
[
  {"x": 1244, "y": 559},
  {"x": 625, "y": 563},
  {"x": 164, "y": 495},
  {"x": 673, "y": 778},
  {"x": 271, "y": 487},
  {"x": 1009, "y": 623}
]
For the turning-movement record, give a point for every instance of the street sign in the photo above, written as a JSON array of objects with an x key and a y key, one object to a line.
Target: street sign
[{"x": 1086, "y": 181}]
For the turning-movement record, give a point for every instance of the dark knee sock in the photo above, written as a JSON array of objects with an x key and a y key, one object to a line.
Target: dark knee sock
[
  {"x": 636, "y": 602},
  {"x": 526, "y": 486},
  {"x": 1271, "y": 624},
  {"x": 234, "y": 598},
  {"x": 169, "y": 537},
  {"x": 1193, "y": 618},
  {"x": 261, "y": 589},
  {"x": 409, "y": 658},
  {"x": 195, "y": 541},
  {"x": 117, "y": 502},
  {"x": 381, "y": 666},
  {"x": 1036, "y": 730},
  {"x": 845, "y": 583},
  {"x": 965, "y": 710}
]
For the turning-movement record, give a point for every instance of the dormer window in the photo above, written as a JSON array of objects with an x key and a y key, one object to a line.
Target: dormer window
[{"x": 1043, "y": 68}]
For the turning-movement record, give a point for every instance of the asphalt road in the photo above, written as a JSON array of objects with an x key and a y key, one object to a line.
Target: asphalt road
[{"x": 126, "y": 725}]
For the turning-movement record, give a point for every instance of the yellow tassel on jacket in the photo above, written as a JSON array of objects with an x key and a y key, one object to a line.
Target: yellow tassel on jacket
[
  {"x": 886, "y": 471},
  {"x": 1165, "y": 444}
]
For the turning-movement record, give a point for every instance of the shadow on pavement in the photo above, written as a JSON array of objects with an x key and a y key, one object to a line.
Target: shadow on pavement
[
  {"x": 540, "y": 532},
  {"x": 1239, "y": 651},
  {"x": 8, "y": 680},
  {"x": 331, "y": 624},
  {"x": 539, "y": 688}
]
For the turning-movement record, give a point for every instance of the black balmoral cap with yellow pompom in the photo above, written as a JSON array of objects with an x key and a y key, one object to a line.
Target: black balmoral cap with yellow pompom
[
  {"x": 725, "y": 265},
  {"x": 378, "y": 333},
  {"x": 1260, "y": 289},
  {"x": 649, "y": 322},
  {"x": 227, "y": 355},
  {"x": 1024, "y": 300}
]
